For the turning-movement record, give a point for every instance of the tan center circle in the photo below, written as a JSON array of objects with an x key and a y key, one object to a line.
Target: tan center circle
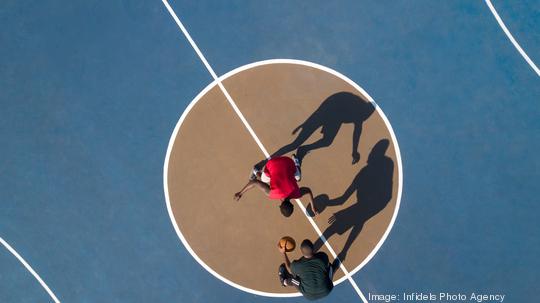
[{"x": 213, "y": 153}]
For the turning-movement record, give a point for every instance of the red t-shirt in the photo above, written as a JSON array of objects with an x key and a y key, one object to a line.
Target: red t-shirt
[{"x": 281, "y": 172}]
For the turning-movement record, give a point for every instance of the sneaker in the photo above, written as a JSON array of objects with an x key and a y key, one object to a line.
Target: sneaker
[
  {"x": 253, "y": 175},
  {"x": 296, "y": 161}
]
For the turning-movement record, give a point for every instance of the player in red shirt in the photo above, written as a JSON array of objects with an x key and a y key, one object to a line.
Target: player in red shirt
[{"x": 279, "y": 181}]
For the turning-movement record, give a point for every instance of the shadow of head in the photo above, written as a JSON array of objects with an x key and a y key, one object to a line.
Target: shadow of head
[
  {"x": 372, "y": 184},
  {"x": 373, "y": 187},
  {"x": 378, "y": 152}
]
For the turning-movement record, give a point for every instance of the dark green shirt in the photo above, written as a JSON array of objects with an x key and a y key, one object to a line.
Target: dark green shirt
[{"x": 314, "y": 276}]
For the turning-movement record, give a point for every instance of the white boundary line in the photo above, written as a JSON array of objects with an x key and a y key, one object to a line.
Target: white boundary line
[
  {"x": 218, "y": 81},
  {"x": 30, "y": 269},
  {"x": 509, "y": 35},
  {"x": 212, "y": 85},
  {"x": 209, "y": 68}
]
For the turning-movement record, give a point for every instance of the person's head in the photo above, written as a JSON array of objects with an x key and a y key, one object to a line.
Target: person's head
[
  {"x": 286, "y": 208},
  {"x": 307, "y": 248}
]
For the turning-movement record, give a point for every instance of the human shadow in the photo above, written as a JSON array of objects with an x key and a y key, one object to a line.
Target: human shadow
[
  {"x": 337, "y": 109},
  {"x": 373, "y": 187}
]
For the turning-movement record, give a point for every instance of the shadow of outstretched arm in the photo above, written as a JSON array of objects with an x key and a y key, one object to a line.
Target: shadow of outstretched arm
[
  {"x": 355, "y": 141},
  {"x": 346, "y": 195}
]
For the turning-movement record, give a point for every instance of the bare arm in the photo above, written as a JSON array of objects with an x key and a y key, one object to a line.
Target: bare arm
[
  {"x": 306, "y": 191},
  {"x": 287, "y": 261},
  {"x": 252, "y": 183},
  {"x": 285, "y": 257},
  {"x": 244, "y": 189}
]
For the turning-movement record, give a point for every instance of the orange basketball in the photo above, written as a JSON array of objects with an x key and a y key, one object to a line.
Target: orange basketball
[{"x": 288, "y": 243}]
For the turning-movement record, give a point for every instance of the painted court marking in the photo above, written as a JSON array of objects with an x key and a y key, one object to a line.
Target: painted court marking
[
  {"x": 177, "y": 129},
  {"x": 509, "y": 35},
  {"x": 30, "y": 269},
  {"x": 263, "y": 149},
  {"x": 218, "y": 81}
]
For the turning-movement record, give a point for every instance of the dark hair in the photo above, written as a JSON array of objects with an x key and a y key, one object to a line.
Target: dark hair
[
  {"x": 307, "y": 244},
  {"x": 286, "y": 208}
]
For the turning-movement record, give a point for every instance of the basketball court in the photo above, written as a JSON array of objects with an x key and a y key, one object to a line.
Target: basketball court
[{"x": 128, "y": 127}]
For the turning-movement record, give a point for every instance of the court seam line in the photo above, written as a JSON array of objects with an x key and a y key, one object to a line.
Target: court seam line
[
  {"x": 509, "y": 35},
  {"x": 254, "y": 136},
  {"x": 30, "y": 269}
]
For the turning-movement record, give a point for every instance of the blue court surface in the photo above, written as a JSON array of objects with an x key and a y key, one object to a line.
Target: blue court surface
[{"x": 92, "y": 90}]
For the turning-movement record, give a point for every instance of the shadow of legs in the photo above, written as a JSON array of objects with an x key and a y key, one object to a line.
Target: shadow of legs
[
  {"x": 329, "y": 134},
  {"x": 350, "y": 240}
]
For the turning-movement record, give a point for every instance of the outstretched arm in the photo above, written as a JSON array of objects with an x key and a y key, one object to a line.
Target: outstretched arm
[
  {"x": 306, "y": 191},
  {"x": 252, "y": 183},
  {"x": 355, "y": 141}
]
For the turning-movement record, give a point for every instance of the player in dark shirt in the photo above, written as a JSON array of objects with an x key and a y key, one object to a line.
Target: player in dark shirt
[{"x": 311, "y": 274}]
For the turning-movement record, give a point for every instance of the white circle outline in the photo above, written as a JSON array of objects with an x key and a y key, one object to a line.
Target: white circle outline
[{"x": 221, "y": 79}]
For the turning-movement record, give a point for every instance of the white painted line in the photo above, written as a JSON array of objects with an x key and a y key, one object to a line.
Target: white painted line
[
  {"x": 332, "y": 251},
  {"x": 509, "y": 35},
  {"x": 188, "y": 36},
  {"x": 254, "y": 136},
  {"x": 171, "y": 214},
  {"x": 213, "y": 74},
  {"x": 218, "y": 81},
  {"x": 381, "y": 114},
  {"x": 30, "y": 269},
  {"x": 223, "y": 78}
]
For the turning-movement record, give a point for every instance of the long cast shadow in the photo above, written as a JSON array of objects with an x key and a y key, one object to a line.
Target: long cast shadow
[
  {"x": 373, "y": 187},
  {"x": 337, "y": 109}
]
